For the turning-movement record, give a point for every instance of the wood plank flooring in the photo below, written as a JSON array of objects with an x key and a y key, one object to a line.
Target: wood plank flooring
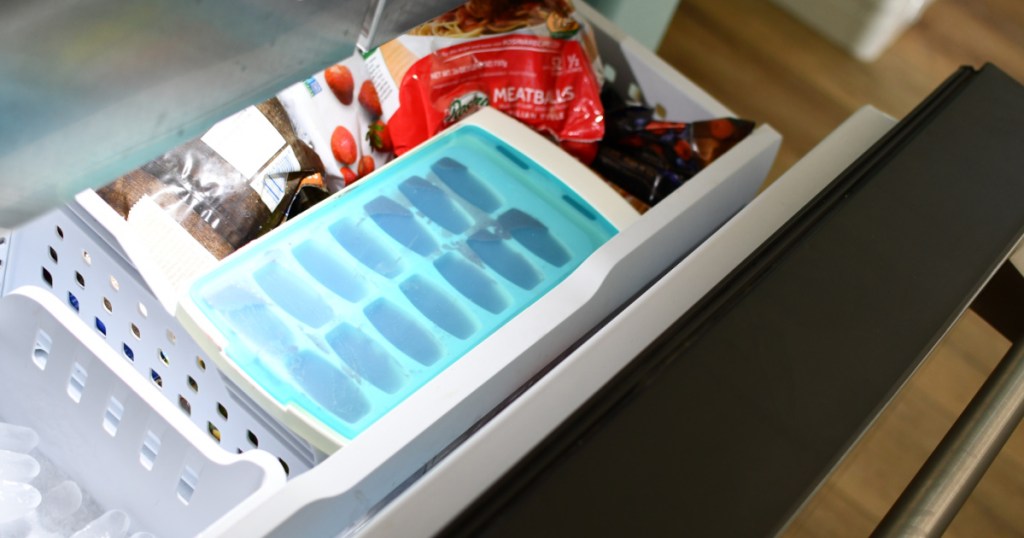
[{"x": 769, "y": 67}]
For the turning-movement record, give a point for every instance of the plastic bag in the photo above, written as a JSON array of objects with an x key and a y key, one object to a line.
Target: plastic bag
[
  {"x": 650, "y": 158},
  {"x": 535, "y": 61},
  {"x": 231, "y": 185}
]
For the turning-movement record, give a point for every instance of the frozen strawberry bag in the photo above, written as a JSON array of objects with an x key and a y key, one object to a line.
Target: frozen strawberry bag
[{"x": 533, "y": 62}]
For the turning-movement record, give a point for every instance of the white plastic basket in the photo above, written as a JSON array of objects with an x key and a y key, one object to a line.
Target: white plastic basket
[
  {"x": 61, "y": 254},
  {"x": 124, "y": 444}
]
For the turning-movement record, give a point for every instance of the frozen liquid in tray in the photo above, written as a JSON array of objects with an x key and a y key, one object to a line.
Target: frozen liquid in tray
[
  {"x": 403, "y": 331},
  {"x": 331, "y": 387},
  {"x": 398, "y": 222},
  {"x": 352, "y": 307},
  {"x": 435, "y": 204},
  {"x": 536, "y": 237},
  {"x": 472, "y": 282},
  {"x": 298, "y": 299},
  {"x": 466, "y": 184},
  {"x": 438, "y": 306},
  {"x": 328, "y": 269},
  {"x": 368, "y": 248},
  {"x": 368, "y": 360},
  {"x": 499, "y": 255}
]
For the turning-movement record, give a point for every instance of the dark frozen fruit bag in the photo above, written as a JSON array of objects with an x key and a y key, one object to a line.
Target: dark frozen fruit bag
[{"x": 650, "y": 158}]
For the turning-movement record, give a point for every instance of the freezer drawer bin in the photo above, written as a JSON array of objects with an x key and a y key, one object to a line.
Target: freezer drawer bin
[
  {"x": 85, "y": 259},
  {"x": 121, "y": 442}
]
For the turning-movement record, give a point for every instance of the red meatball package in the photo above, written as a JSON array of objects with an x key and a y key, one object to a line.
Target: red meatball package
[{"x": 536, "y": 61}]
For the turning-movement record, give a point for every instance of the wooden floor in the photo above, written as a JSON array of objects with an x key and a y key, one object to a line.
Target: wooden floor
[{"x": 767, "y": 66}]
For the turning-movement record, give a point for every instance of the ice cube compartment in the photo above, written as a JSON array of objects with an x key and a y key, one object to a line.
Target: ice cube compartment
[{"x": 350, "y": 309}]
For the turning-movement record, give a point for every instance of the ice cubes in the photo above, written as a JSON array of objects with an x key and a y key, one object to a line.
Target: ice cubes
[
  {"x": 254, "y": 319},
  {"x": 17, "y": 467},
  {"x": 472, "y": 282},
  {"x": 366, "y": 357},
  {"x": 61, "y": 501},
  {"x": 466, "y": 184},
  {"x": 113, "y": 524},
  {"x": 293, "y": 295},
  {"x": 62, "y": 507},
  {"x": 498, "y": 255},
  {"x": 368, "y": 249},
  {"x": 17, "y": 499},
  {"x": 435, "y": 204},
  {"x": 329, "y": 386},
  {"x": 17, "y": 438},
  {"x": 535, "y": 236},
  {"x": 438, "y": 306},
  {"x": 403, "y": 331},
  {"x": 330, "y": 271},
  {"x": 397, "y": 221}
]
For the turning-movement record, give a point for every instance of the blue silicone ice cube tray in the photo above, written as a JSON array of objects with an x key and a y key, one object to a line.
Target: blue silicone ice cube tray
[{"x": 349, "y": 309}]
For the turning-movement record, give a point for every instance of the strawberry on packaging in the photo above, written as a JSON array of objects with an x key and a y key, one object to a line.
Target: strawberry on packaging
[
  {"x": 336, "y": 123},
  {"x": 368, "y": 98},
  {"x": 366, "y": 166},
  {"x": 380, "y": 137},
  {"x": 536, "y": 61},
  {"x": 343, "y": 145},
  {"x": 348, "y": 175},
  {"x": 339, "y": 80}
]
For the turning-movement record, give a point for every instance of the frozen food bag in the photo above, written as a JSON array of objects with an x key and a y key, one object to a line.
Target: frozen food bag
[
  {"x": 535, "y": 61},
  {"x": 651, "y": 158},
  {"x": 231, "y": 184}
]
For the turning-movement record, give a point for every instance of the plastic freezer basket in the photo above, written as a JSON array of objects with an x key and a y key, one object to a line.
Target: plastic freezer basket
[
  {"x": 350, "y": 309},
  {"x": 126, "y": 445}
]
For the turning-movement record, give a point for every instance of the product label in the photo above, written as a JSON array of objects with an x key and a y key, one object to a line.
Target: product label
[
  {"x": 377, "y": 70},
  {"x": 269, "y": 183},
  {"x": 312, "y": 86},
  {"x": 247, "y": 140}
]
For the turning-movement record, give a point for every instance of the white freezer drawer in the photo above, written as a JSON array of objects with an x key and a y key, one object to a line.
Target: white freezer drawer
[
  {"x": 314, "y": 504},
  {"x": 342, "y": 491}
]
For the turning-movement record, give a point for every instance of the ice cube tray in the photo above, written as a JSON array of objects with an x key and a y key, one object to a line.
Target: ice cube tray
[{"x": 337, "y": 318}]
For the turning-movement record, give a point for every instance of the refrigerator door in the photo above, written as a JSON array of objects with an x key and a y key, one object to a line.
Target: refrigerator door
[{"x": 731, "y": 417}]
